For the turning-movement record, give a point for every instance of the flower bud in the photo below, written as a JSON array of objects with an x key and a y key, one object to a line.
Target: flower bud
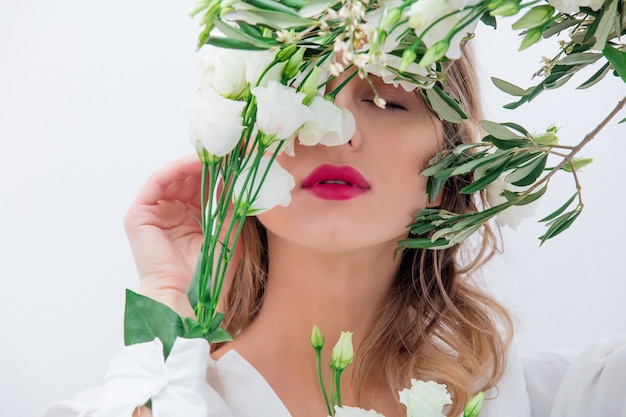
[
  {"x": 342, "y": 352},
  {"x": 293, "y": 64},
  {"x": 576, "y": 164},
  {"x": 317, "y": 338},
  {"x": 474, "y": 406},
  {"x": 286, "y": 52},
  {"x": 408, "y": 57},
  {"x": 310, "y": 85},
  {"x": 390, "y": 19},
  {"x": 547, "y": 138},
  {"x": 434, "y": 53},
  {"x": 506, "y": 9}
]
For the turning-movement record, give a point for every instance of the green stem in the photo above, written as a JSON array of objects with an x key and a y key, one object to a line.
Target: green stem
[
  {"x": 318, "y": 362},
  {"x": 338, "y": 387}
]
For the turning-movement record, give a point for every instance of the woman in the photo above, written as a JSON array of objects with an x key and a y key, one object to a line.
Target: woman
[{"x": 328, "y": 259}]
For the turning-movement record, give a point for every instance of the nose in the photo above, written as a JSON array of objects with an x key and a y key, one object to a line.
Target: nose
[{"x": 346, "y": 99}]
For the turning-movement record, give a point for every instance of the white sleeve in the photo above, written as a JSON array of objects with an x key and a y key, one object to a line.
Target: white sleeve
[
  {"x": 138, "y": 373},
  {"x": 592, "y": 383}
]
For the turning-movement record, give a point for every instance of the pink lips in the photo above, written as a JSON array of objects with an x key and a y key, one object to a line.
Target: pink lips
[{"x": 331, "y": 182}]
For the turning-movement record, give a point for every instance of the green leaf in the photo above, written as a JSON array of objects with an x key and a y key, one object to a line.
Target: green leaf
[
  {"x": 528, "y": 198},
  {"x": 483, "y": 181},
  {"x": 557, "y": 27},
  {"x": 532, "y": 36},
  {"x": 509, "y": 88},
  {"x": 474, "y": 161},
  {"x": 499, "y": 131},
  {"x": 617, "y": 59},
  {"x": 561, "y": 224},
  {"x": 233, "y": 44},
  {"x": 437, "y": 166},
  {"x": 606, "y": 25},
  {"x": 516, "y": 104},
  {"x": 595, "y": 78},
  {"x": 236, "y": 34},
  {"x": 580, "y": 58},
  {"x": 529, "y": 173},
  {"x": 250, "y": 30},
  {"x": 622, "y": 121},
  {"x": 274, "y": 6},
  {"x": 489, "y": 20},
  {"x": 271, "y": 19},
  {"x": 558, "y": 82},
  {"x": 445, "y": 106},
  {"x": 424, "y": 243},
  {"x": 560, "y": 210},
  {"x": 434, "y": 187},
  {"x": 220, "y": 335},
  {"x": 517, "y": 127},
  {"x": 145, "y": 319},
  {"x": 508, "y": 143}
]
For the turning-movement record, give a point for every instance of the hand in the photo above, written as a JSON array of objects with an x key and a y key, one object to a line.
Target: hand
[{"x": 164, "y": 233}]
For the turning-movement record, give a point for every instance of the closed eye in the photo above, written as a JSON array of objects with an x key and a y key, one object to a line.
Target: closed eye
[{"x": 390, "y": 105}]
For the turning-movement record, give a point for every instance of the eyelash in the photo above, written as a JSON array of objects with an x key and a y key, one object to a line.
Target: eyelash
[{"x": 391, "y": 106}]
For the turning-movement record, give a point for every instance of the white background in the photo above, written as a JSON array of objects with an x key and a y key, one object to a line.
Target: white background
[{"x": 92, "y": 98}]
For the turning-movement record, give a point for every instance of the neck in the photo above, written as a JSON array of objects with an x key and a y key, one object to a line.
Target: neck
[{"x": 338, "y": 291}]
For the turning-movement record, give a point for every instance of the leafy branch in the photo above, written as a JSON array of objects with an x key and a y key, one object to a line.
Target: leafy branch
[{"x": 521, "y": 159}]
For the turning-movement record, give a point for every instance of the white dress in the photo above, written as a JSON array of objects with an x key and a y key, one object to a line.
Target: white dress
[{"x": 589, "y": 384}]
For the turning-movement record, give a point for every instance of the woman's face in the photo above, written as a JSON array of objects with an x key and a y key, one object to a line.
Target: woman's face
[{"x": 365, "y": 192}]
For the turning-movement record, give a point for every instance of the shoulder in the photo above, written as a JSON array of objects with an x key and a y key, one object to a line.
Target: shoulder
[{"x": 562, "y": 383}]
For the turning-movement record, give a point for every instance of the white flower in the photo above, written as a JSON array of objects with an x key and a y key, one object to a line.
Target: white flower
[
  {"x": 215, "y": 123},
  {"x": 425, "y": 399},
  {"x": 346, "y": 411},
  {"x": 423, "y": 13},
  {"x": 511, "y": 216},
  {"x": 331, "y": 125},
  {"x": 275, "y": 189},
  {"x": 257, "y": 62},
  {"x": 573, "y": 6},
  {"x": 228, "y": 72},
  {"x": 280, "y": 112}
]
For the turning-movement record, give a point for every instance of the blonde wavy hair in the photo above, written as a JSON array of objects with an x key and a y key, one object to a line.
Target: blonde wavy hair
[{"x": 436, "y": 323}]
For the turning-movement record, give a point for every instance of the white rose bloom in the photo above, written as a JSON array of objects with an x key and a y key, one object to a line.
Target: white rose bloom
[
  {"x": 425, "y": 399},
  {"x": 573, "y": 6},
  {"x": 215, "y": 123},
  {"x": 256, "y": 63},
  {"x": 331, "y": 124},
  {"x": 346, "y": 411},
  {"x": 280, "y": 111},
  {"x": 512, "y": 216},
  {"x": 222, "y": 70},
  {"x": 228, "y": 71},
  {"x": 423, "y": 13},
  {"x": 274, "y": 191}
]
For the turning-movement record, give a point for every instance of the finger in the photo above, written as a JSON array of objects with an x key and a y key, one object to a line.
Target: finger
[{"x": 177, "y": 179}]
